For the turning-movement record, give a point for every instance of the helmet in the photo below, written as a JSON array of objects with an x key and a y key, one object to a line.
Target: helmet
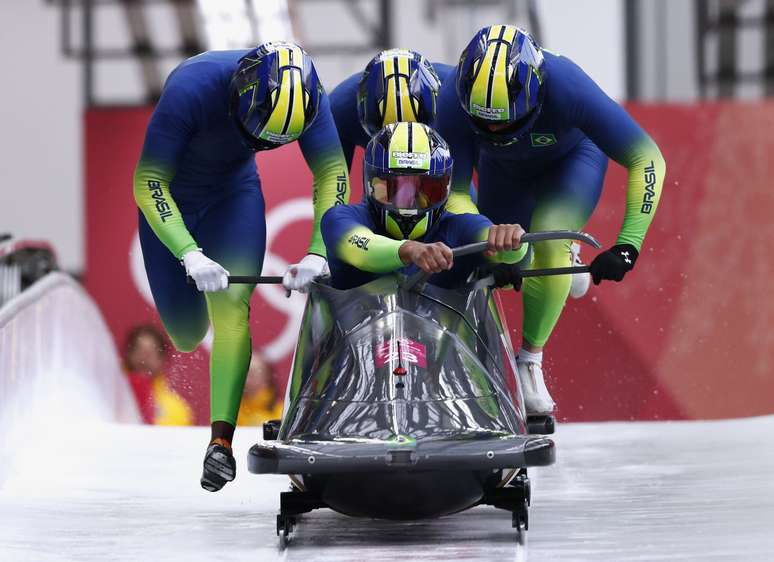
[
  {"x": 406, "y": 175},
  {"x": 274, "y": 94},
  {"x": 397, "y": 85},
  {"x": 500, "y": 82}
]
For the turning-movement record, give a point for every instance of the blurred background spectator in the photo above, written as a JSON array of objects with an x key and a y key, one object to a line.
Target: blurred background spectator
[
  {"x": 146, "y": 356},
  {"x": 260, "y": 401}
]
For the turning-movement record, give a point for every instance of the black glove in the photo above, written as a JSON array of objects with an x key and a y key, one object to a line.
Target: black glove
[
  {"x": 506, "y": 274},
  {"x": 613, "y": 263}
]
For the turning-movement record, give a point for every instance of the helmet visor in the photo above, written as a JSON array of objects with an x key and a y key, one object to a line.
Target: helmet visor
[{"x": 410, "y": 191}]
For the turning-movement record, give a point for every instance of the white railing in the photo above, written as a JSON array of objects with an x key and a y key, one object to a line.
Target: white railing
[{"x": 58, "y": 363}]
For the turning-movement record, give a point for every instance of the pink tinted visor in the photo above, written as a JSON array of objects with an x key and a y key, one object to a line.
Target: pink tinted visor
[{"x": 410, "y": 191}]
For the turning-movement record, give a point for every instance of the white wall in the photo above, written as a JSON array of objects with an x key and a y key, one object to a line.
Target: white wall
[
  {"x": 592, "y": 34},
  {"x": 40, "y": 142},
  {"x": 667, "y": 43},
  {"x": 589, "y": 32}
]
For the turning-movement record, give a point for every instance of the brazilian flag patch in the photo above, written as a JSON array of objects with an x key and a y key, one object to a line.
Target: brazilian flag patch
[{"x": 542, "y": 139}]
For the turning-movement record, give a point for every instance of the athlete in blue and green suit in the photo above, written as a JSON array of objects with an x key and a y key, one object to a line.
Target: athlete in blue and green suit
[
  {"x": 540, "y": 132},
  {"x": 402, "y": 224},
  {"x": 396, "y": 85},
  {"x": 201, "y": 204}
]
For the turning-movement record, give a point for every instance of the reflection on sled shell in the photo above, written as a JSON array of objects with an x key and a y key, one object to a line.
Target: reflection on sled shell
[{"x": 401, "y": 404}]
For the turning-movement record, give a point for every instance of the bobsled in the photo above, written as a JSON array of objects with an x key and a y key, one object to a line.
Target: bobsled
[{"x": 403, "y": 403}]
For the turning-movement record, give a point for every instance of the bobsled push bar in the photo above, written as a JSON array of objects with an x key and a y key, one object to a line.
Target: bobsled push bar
[
  {"x": 475, "y": 248},
  {"x": 254, "y": 279},
  {"x": 419, "y": 278}
]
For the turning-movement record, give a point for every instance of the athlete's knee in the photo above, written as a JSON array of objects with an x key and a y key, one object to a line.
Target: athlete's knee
[
  {"x": 552, "y": 253},
  {"x": 184, "y": 345},
  {"x": 550, "y": 288},
  {"x": 229, "y": 310},
  {"x": 185, "y": 329},
  {"x": 235, "y": 298},
  {"x": 187, "y": 340}
]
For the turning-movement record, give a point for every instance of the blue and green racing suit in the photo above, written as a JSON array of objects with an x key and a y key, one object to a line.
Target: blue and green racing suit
[
  {"x": 359, "y": 253},
  {"x": 552, "y": 178},
  {"x": 197, "y": 186}
]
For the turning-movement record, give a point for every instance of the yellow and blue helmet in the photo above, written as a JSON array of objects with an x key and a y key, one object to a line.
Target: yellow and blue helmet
[
  {"x": 407, "y": 171},
  {"x": 500, "y": 83},
  {"x": 274, "y": 94},
  {"x": 397, "y": 85}
]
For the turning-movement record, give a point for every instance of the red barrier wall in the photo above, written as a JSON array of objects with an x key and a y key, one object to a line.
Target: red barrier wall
[{"x": 687, "y": 335}]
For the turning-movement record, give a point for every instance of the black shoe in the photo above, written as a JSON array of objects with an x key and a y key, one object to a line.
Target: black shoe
[{"x": 219, "y": 468}]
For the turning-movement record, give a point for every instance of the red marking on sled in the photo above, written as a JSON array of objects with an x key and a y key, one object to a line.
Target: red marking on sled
[{"x": 410, "y": 352}]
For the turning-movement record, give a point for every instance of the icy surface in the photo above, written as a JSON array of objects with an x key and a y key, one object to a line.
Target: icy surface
[{"x": 619, "y": 491}]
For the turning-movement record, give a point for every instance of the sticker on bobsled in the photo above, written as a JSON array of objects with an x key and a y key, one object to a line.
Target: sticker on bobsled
[{"x": 410, "y": 352}]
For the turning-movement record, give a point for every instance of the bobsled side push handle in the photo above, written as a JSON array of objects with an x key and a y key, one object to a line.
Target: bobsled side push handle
[
  {"x": 478, "y": 247},
  {"x": 561, "y": 235},
  {"x": 420, "y": 277}
]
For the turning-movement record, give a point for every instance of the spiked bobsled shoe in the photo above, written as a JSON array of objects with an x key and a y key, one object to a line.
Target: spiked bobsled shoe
[
  {"x": 219, "y": 467},
  {"x": 580, "y": 281},
  {"x": 537, "y": 400}
]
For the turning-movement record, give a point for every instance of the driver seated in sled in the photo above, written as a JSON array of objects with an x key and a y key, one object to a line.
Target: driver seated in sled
[{"x": 402, "y": 224}]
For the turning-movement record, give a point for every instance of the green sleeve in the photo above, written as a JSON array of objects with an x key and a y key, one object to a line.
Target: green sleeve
[
  {"x": 169, "y": 132},
  {"x": 460, "y": 202},
  {"x": 367, "y": 251},
  {"x": 646, "y": 169},
  {"x": 322, "y": 151},
  {"x": 620, "y": 137},
  {"x": 330, "y": 187},
  {"x": 151, "y": 192}
]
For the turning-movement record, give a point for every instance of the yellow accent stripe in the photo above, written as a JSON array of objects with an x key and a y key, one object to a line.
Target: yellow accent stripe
[
  {"x": 411, "y": 138},
  {"x": 392, "y": 227},
  {"x": 500, "y": 80},
  {"x": 391, "y": 101},
  {"x": 407, "y": 111},
  {"x": 281, "y": 102},
  {"x": 397, "y": 106},
  {"x": 491, "y": 92},
  {"x": 420, "y": 229},
  {"x": 419, "y": 140},
  {"x": 286, "y": 110},
  {"x": 481, "y": 84},
  {"x": 494, "y": 32},
  {"x": 510, "y": 33},
  {"x": 296, "y": 125},
  {"x": 399, "y": 140}
]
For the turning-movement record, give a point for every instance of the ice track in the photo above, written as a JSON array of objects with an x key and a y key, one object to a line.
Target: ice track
[{"x": 619, "y": 491}]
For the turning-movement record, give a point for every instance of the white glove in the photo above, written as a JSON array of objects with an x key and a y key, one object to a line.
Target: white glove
[
  {"x": 299, "y": 275},
  {"x": 208, "y": 275}
]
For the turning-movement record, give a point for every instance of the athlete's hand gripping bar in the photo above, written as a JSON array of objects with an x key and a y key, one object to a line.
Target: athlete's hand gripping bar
[{"x": 420, "y": 278}]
